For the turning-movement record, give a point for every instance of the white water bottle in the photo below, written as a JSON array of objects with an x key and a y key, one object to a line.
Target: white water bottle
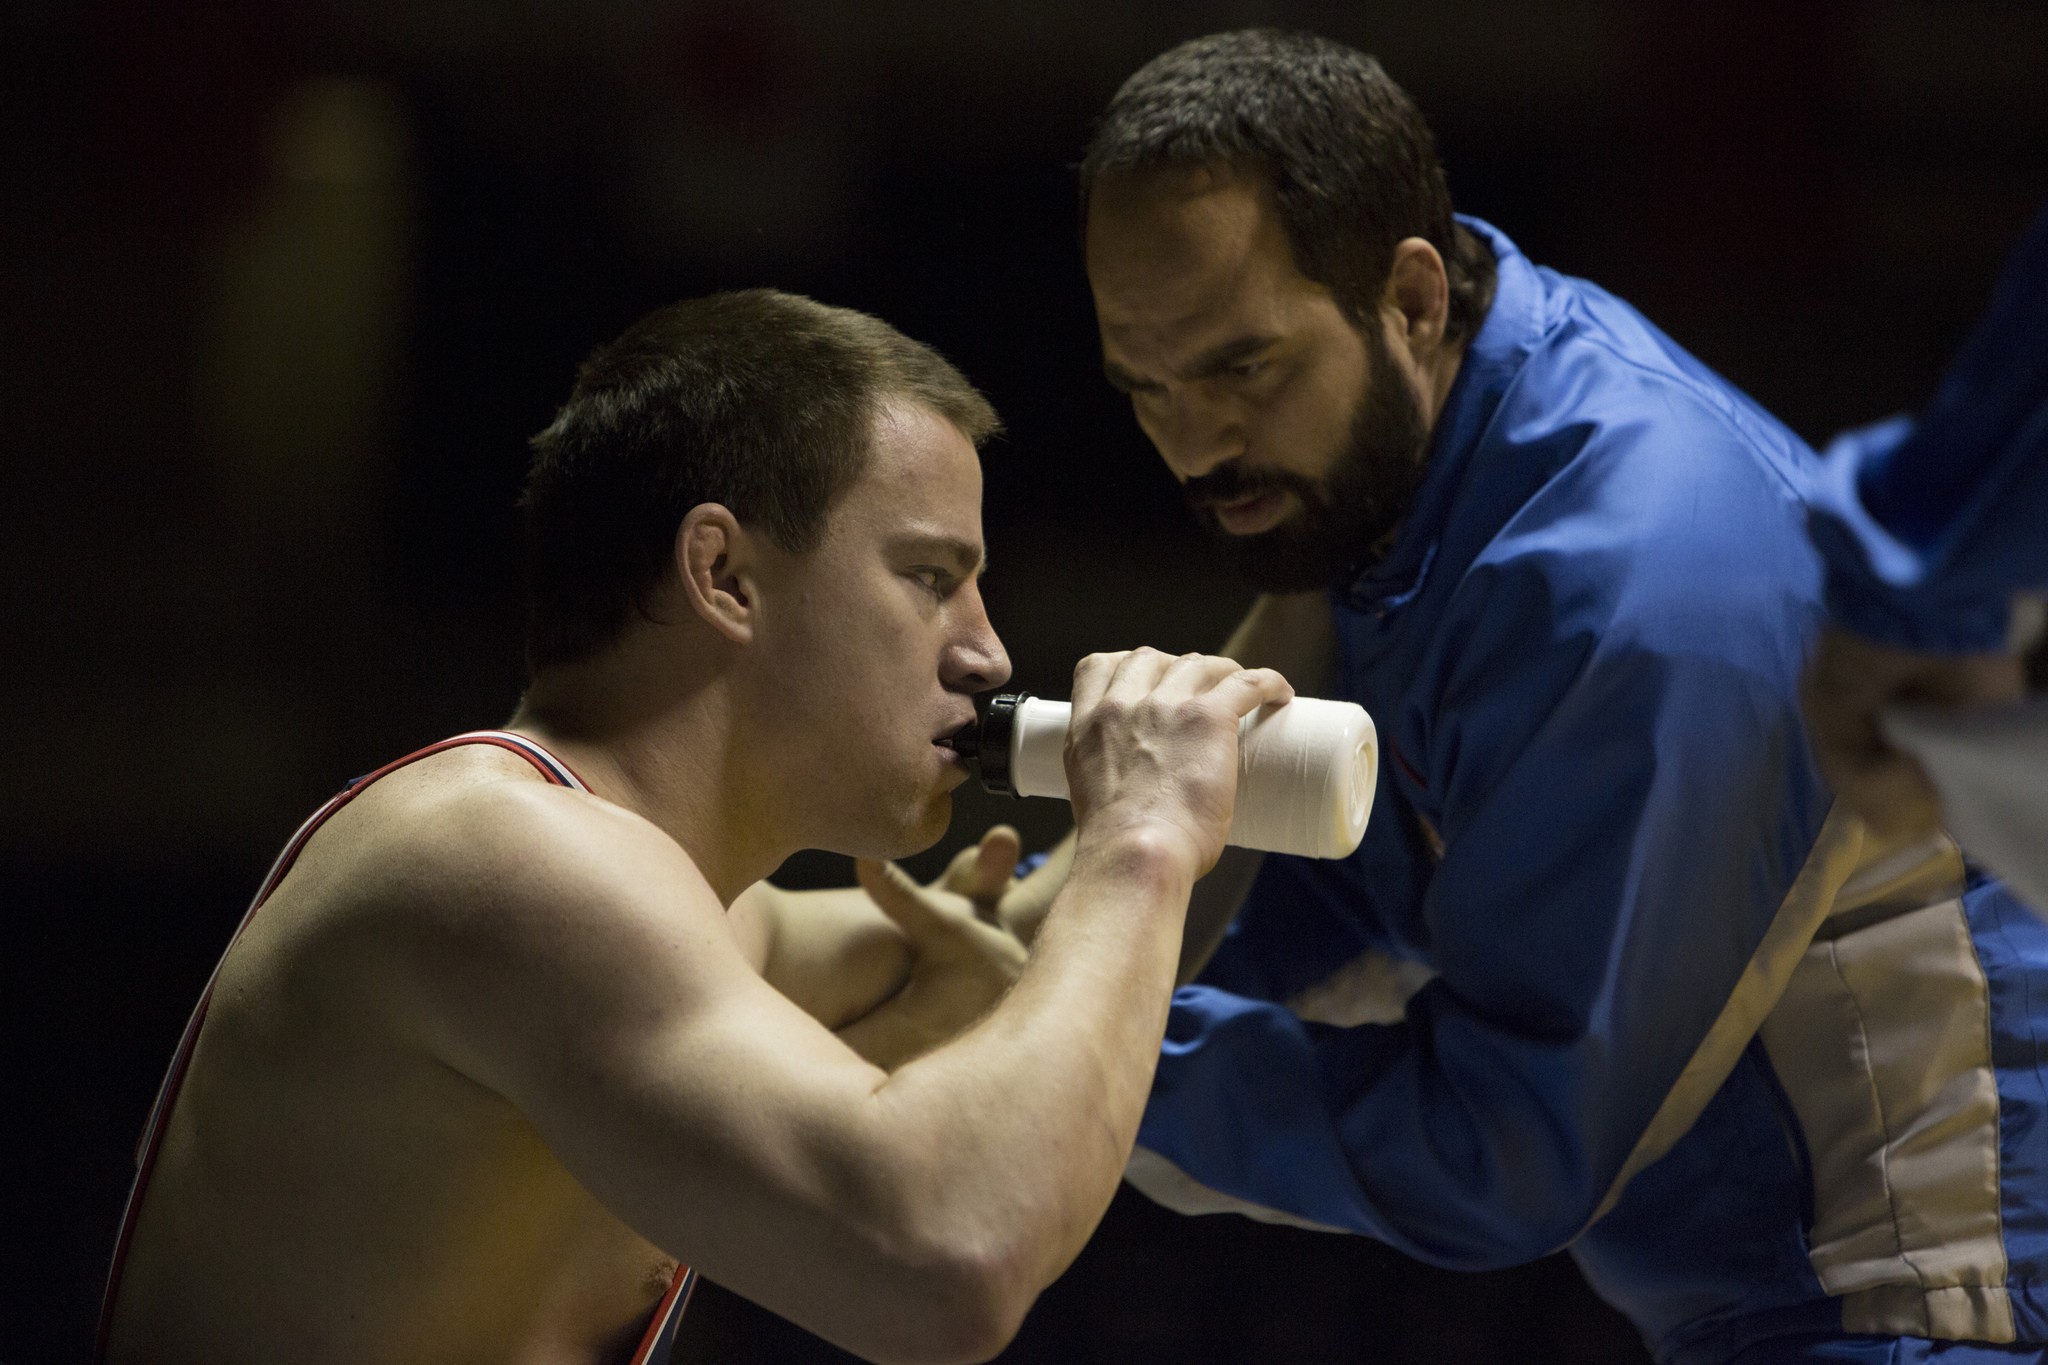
[{"x": 1306, "y": 769}]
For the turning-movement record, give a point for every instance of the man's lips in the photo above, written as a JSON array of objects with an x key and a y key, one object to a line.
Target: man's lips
[
  {"x": 952, "y": 761},
  {"x": 1251, "y": 514},
  {"x": 951, "y": 745}
]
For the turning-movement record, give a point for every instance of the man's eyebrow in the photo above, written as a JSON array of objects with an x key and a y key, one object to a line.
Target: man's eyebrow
[
  {"x": 966, "y": 556},
  {"x": 1217, "y": 359},
  {"x": 1121, "y": 379},
  {"x": 1208, "y": 365}
]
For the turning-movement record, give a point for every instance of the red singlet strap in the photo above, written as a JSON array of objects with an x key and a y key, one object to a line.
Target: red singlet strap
[{"x": 660, "y": 1331}]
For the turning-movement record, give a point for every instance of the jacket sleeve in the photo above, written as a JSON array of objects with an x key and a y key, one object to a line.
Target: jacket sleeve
[
  {"x": 1929, "y": 528},
  {"x": 1611, "y": 752}
]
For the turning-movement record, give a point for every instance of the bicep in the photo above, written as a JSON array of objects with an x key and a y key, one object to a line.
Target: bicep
[
  {"x": 833, "y": 953},
  {"x": 720, "y": 1130},
  {"x": 599, "y": 991}
]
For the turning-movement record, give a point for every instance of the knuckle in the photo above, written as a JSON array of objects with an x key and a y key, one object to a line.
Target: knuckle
[{"x": 1112, "y": 710}]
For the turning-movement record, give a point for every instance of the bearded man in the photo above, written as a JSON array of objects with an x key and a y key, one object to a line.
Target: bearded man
[
  {"x": 1610, "y": 971},
  {"x": 1936, "y": 537}
]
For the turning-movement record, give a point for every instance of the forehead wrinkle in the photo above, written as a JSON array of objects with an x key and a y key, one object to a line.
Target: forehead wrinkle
[
  {"x": 1189, "y": 326},
  {"x": 1177, "y": 253},
  {"x": 1197, "y": 343},
  {"x": 1170, "y": 298},
  {"x": 1175, "y": 226}
]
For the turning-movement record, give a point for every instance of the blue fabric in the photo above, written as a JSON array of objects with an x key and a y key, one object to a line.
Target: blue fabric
[
  {"x": 1583, "y": 656},
  {"x": 1688, "y": 1234},
  {"x": 2012, "y": 947},
  {"x": 1590, "y": 696},
  {"x": 1930, "y": 527},
  {"x": 1860, "y": 1350}
]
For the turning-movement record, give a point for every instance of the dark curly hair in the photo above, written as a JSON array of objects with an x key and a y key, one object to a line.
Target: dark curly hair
[{"x": 1351, "y": 162}]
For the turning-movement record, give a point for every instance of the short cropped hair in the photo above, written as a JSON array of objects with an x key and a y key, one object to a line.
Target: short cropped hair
[
  {"x": 1351, "y": 162},
  {"x": 762, "y": 401}
]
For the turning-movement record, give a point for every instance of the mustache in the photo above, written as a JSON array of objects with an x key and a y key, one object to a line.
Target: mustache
[{"x": 1230, "y": 482}]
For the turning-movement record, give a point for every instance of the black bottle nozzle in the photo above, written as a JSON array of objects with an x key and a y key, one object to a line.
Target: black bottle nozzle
[{"x": 985, "y": 741}]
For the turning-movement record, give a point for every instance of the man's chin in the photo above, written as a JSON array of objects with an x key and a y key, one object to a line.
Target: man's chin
[
  {"x": 922, "y": 827},
  {"x": 937, "y": 819}
]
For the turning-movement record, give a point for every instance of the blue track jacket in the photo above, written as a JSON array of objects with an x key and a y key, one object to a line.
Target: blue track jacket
[
  {"x": 1929, "y": 529},
  {"x": 1762, "y": 1075}
]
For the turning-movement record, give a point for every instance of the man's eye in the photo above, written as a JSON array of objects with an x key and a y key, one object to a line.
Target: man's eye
[
  {"x": 1247, "y": 369},
  {"x": 934, "y": 579}
]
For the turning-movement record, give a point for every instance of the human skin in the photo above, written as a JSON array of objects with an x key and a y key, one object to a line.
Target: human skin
[
  {"x": 1227, "y": 351},
  {"x": 1230, "y": 354},
  {"x": 493, "y": 1058},
  {"x": 1848, "y": 684},
  {"x": 896, "y": 984}
]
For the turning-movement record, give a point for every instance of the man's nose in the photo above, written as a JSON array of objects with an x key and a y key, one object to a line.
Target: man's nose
[
  {"x": 975, "y": 660},
  {"x": 1197, "y": 436}
]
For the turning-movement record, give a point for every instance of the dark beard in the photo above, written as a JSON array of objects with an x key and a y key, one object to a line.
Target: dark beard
[{"x": 1348, "y": 516}]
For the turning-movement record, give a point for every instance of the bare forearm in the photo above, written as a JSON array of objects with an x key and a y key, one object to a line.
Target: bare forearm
[
  {"x": 972, "y": 1175},
  {"x": 1025, "y": 908},
  {"x": 1054, "y": 1082},
  {"x": 830, "y": 952},
  {"x": 1212, "y": 905}
]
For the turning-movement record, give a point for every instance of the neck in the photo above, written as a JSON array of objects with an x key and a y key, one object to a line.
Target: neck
[
  {"x": 676, "y": 753},
  {"x": 1436, "y": 376}
]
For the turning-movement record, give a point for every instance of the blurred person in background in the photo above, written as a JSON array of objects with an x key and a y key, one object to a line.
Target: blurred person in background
[{"x": 1936, "y": 539}]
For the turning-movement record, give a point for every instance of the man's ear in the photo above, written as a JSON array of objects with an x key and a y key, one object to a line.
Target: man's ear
[
  {"x": 1417, "y": 301},
  {"x": 719, "y": 564}
]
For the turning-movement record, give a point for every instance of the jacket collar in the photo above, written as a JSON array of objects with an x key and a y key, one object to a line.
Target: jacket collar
[{"x": 1505, "y": 340}]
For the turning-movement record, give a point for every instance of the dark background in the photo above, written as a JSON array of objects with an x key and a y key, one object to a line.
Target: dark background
[{"x": 286, "y": 288}]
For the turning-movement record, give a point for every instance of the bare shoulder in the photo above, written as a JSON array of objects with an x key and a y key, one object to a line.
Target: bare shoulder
[
  {"x": 474, "y": 832},
  {"x": 483, "y": 899},
  {"x": 520, "y": 843}
]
